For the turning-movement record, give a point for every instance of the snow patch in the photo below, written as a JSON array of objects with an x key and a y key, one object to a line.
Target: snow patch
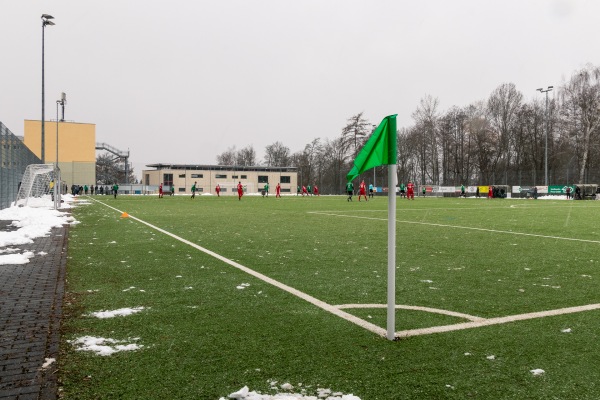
[
  {"x": 245, "y": 394},
  {"x": 121, "y": 312},
  {"x": 104, "y": 346}
]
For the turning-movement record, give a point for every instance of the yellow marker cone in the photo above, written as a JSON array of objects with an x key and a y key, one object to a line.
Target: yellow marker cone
[{"x": 124, "y": 215}]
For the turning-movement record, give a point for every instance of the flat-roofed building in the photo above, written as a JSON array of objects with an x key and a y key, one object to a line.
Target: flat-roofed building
[
  {"x": 206, "y": 177},
  {"x": 76, "y": 148}
]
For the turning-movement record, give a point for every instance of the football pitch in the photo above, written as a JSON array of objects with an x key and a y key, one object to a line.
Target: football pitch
[{"x": 264, "y": 291}]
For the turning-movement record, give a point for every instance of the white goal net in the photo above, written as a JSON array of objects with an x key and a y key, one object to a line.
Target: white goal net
[{"x": 36, "y": 183}]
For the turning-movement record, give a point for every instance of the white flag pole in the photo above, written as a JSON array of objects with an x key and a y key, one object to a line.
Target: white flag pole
[{"x": 391, "y": 294}]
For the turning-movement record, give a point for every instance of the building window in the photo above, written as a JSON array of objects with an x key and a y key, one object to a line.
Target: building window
[
  {"x": 263, "y": 179},
  {"x": 234, "y": 176},
  {"x": 244, "y": 176},
  {"x": 167, "y": 179},
  {"x": 224, "y": 190},
  {"x": 285, "y": 190},
  {"x": 197, "y": 175},
  {"x": 200, "y": 189},
  {"x": 221, "y": 176},
  {"x": 182, "y": 175},
  {"x": 182, "y": 189},
  {"x": 285, "y": 179}
]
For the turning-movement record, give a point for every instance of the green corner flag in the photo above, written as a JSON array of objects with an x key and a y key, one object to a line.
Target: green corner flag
[{"x": 379, "y": 150}]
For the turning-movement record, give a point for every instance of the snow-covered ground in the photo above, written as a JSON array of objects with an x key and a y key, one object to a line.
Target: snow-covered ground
[{"x": 30, "y": 222}]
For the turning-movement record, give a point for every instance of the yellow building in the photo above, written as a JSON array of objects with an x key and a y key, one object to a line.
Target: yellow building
[
  {"x": 76, "y": 148},
  {"x": 206, "y": 178}
]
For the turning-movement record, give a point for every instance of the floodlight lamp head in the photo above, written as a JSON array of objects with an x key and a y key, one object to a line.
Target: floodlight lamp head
[
  {"x": 540, "y": 89},
  {"x": 550, "y": 87},
  {"x": 47, "y": 16}
]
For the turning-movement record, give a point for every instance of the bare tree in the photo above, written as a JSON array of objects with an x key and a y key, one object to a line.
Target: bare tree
[
  {"x": 581, "y": 101},
  {"x": 426, "y": 124},
  {"x": 110, "y": 169},
  {"x": 355, "y": 133},
  {"x": 277, "y": 155},
  {"x": 502, "y": 107},
  {"x": 228, "y": 157},
  {"x": 246, "y": 157}
]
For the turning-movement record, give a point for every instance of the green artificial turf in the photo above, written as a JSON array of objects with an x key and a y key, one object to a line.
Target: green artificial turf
[{"x": 204, "y": 338}]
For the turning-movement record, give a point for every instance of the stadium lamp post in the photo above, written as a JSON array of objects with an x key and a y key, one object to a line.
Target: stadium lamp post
[
  {"x": 542, "y": 90},
  {"x": 62, "y": 102},
  {"x": 45, "y": 21}
]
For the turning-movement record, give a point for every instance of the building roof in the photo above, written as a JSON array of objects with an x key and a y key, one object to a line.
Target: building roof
[{"x": 200, "y": 167}]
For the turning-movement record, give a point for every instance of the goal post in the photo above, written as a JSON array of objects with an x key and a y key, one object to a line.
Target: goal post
[{"x": 36, "y": 183}]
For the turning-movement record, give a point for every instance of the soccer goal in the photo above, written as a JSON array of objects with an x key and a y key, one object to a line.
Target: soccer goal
[{"x": 35, "y": 183}]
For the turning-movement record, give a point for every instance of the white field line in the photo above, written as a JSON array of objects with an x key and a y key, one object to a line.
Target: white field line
[
  {"x": 460, "y": 227},
  {"x": 416, "y": 308},
  {"x": 495, "y": 321},
  {"x": 321, "y": 304}
]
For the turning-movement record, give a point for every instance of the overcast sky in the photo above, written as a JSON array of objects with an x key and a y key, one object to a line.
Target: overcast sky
[{"x": 181, "y": 81}]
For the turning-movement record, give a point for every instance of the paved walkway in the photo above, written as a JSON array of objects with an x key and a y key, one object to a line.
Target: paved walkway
[{"x": 31, "y": 298}]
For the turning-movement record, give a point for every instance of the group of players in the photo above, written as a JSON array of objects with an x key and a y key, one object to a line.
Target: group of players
[
  {"x": 308, "y": 191},
  {"x": 408, "y": 191}
]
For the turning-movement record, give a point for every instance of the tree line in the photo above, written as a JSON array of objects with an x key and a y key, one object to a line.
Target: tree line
[{"x": 499, "y": 140}]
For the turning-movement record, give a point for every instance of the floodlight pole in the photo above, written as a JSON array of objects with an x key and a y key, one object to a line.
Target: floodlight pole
[
  {"x": 45, "y": 21},
  {"x": 62, "y": 102},
  {"x": 541, "y": 90}
]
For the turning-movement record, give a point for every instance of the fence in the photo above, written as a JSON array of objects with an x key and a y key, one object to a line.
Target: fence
[{"x": 14, "y": 158}]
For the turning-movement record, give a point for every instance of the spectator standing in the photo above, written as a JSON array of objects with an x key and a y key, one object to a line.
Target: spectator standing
[{"x": 115, "y": 189}]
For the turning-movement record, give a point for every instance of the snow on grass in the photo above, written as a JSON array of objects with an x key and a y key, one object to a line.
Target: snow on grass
[
  {"x": 104, "y": 346},
  {"x": 537, "y": 371},
  {"x": 121, "y": 312},
  {"x": 48, "y": 362},
  {"x": 242, "y": 286},
  {"x": 322, "y": 394},
  {"x": 31, "y": 222}
]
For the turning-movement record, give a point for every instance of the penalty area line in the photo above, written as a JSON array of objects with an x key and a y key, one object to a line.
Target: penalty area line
[{"x": 314, "y": 301}]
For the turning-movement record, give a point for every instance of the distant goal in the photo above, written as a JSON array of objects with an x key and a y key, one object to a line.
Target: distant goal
[{"x": 35, "y": 183}]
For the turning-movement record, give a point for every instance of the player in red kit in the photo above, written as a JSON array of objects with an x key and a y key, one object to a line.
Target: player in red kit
[
  {"x": 315, "y": 190},
  {"x": 410, "y": 190},
  {"x": 240, "y": 189},
  {"x": 160, "y": 191},
  {"x": 362, "y": 191},
  {"x": 278, "y": 191},
  {"x": 304, "y": 191},
  {"x": 218, "y": 190}
]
